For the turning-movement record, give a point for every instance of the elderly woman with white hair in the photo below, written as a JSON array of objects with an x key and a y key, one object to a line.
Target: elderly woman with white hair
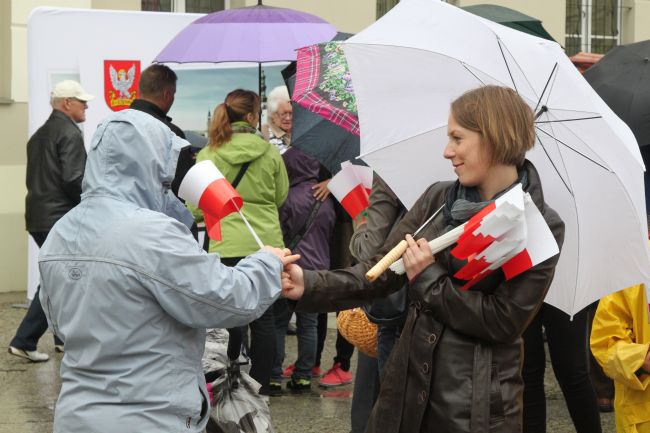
[{"x": 279, "y": 114}]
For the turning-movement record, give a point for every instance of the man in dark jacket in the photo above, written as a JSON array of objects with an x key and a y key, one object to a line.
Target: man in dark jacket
[
  {"x": 56, "y": 159},
  {"x": 157, "y": 89}
]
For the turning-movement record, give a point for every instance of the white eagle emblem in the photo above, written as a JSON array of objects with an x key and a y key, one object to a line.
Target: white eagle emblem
[{"x": 122, "y": 80}]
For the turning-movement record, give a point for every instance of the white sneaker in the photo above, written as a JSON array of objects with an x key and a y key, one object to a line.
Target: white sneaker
[
  {"x": 32, "y": 355},
  {"x": 58, "y": 348}
]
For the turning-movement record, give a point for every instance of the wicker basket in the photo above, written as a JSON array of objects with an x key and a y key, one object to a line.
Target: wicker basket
[{"x": 357, "y": 329}]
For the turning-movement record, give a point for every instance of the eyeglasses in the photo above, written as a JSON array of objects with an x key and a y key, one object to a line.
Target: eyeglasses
[
  {"x": 286, "y": 114},
  {"x": 84, "y": 103}
]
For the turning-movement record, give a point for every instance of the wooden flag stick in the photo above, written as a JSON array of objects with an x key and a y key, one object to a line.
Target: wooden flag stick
[
  {"x": 383, "y": 264},
  {"x": 394, "y": 254}
]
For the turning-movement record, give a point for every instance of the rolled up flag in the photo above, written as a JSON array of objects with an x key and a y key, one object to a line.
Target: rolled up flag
[
  {"x": 351, "y": 187},
  {"x": 205, "y": 187}
]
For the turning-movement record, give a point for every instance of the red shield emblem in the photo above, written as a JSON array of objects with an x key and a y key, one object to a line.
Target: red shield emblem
[{"x": 121, "y": 79}]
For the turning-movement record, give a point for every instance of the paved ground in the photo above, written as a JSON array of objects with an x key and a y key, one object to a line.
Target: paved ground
[{"x": 28, "y": 391}]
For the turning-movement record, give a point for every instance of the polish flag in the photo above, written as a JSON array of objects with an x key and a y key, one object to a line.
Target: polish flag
[
  {"x": 516, "y": 248},
  {"x": 205, "y": 187},
  {"x": 351, "y": 186},
  {"x": 510, "y": 233}
]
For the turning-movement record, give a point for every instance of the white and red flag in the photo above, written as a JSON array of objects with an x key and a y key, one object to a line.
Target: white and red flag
[
  {"x": 522, "y": 247},
  {"x": 205, "y": 187},
  {"x": 351, "y": 186},
  {"x": 509, "y": 233}
]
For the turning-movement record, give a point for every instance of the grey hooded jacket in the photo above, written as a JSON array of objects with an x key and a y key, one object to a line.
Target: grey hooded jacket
[{"x": 130, "y": 292}]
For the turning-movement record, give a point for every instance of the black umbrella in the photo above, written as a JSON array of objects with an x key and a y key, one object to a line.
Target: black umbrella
[
  {"x": 510, "y": 18},
  {"x": 328, "y": 143},
  {"x": 622, "y": 79}
]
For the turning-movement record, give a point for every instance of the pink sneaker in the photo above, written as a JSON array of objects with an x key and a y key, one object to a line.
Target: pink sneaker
[
  {"x": 335, "y": 376},
  {"x": 288, "y": 371}
]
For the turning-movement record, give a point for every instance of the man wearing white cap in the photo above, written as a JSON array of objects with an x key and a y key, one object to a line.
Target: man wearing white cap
[{"x": 56, "y": 159}]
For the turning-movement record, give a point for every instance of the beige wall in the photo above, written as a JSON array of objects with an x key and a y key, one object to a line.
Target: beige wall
[
  {"x": 349, "y": 16},
  {"x": 636, "y": 21}
]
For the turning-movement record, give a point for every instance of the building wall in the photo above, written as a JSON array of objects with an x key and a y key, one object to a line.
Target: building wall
[
  {"x": 347, "y": 16},
  {"x": 636, "y": 21}
]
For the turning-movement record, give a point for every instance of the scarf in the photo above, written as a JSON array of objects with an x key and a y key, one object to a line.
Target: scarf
[{"x": 462, "y": 203}]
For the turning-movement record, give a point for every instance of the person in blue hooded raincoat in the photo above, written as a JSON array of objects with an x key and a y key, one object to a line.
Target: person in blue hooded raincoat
[{"x": 130, "y": 292}]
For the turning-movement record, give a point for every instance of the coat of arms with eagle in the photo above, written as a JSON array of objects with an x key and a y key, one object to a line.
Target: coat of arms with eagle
[{"x": 121, "y": 83}]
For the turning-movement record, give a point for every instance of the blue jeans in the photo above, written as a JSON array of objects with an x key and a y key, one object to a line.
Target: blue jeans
[
  {"x": 34, "y": 324},
  {"x": 386, "y": 338},
  {"x": 306, "y": 324}
]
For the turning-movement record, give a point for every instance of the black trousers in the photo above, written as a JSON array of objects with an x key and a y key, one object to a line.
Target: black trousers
[
  {"x": 34, "y": 324},
  {"x": 344, "y": 349},
  {"x": 568, "y": 347},
  {"x": 262, "y": 341}
]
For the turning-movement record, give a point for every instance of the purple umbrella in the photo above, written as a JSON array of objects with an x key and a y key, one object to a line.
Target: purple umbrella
[{"x": 252, "y": 34}]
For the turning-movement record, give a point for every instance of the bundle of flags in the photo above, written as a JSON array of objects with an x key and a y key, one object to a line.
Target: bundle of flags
[
  {"x": 509, "y": 233},
  {"x": 351, "y": 187},
  {"x": 205, "y": 187}
]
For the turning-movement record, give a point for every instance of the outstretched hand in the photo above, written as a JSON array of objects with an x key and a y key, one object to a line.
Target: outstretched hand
[
  {"x": 417, "y": 256},
  {"x": 321, "y": 191},
  {"x": 284, "y": 254},
  {"x": 293, "y": 282}
]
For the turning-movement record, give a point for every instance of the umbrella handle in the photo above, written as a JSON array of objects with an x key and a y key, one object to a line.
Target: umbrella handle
[{"x": 383, "y": 264}]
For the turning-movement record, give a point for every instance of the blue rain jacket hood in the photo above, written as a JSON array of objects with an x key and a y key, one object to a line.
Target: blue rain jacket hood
[{"x": 130, "y": 292}]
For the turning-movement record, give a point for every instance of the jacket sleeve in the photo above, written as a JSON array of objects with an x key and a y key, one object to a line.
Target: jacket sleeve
[
  {"x": 72, "y": 160},
  {"x": 196, "y": 212},
  {"x": 613, "y": 342},
  {"x": 198, "y": 290},
  {"x": 384, "y": 209},
  {"x": 500, "y": 316},
  {"x": 346, "y": 288},
  {"x": 281, "y": 181}
]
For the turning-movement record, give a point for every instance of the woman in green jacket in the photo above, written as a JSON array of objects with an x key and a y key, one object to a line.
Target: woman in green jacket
[{"x": 234, "y": 142}]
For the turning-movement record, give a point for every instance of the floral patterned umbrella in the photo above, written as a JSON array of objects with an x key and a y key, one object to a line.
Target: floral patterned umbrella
[{"x": 324, "y": 86}]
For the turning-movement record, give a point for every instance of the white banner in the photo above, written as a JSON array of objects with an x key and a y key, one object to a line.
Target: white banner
[{"x": 73, "y": 44}]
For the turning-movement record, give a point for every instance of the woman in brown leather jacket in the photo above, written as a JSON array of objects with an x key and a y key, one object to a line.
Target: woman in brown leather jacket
[{"x": 457, "y": 366}]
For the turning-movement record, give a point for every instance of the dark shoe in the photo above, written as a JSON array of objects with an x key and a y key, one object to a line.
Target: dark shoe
[
  {"x": 605, "y": 405},
  {"x": 299, "y": 385},
  {"x": 274, "y": 389}
]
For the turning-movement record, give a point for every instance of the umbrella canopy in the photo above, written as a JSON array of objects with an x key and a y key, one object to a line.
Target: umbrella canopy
[
  {"x": 622, "y": 79},
  {"x": 324, "y": 85},
  {"x": 325, "y": 141},
  {"x": 510, "y": 18},
  {"x": 251, "y": 34},
  {"x": 409, "y": 66}
]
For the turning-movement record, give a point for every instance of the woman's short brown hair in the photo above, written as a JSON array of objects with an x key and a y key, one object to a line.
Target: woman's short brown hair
[{"x": 503, "y": 119}]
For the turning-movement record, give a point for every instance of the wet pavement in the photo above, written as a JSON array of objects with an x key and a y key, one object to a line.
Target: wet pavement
[{"x": 28, "y": 390}]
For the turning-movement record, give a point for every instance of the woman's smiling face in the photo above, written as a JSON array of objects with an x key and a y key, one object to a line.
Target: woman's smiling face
[{"x": 468, "y": 154}]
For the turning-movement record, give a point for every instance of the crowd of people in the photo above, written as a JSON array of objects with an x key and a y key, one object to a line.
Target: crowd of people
[{"x": 128, "y": 292}]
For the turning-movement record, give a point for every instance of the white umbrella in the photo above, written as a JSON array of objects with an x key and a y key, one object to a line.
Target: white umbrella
[{"x": 410, "y": 65}]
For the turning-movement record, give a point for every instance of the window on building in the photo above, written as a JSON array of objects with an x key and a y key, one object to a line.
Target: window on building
[
  {"x": 592, "y": 26},
  {"x": 190, "y": 6}
]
